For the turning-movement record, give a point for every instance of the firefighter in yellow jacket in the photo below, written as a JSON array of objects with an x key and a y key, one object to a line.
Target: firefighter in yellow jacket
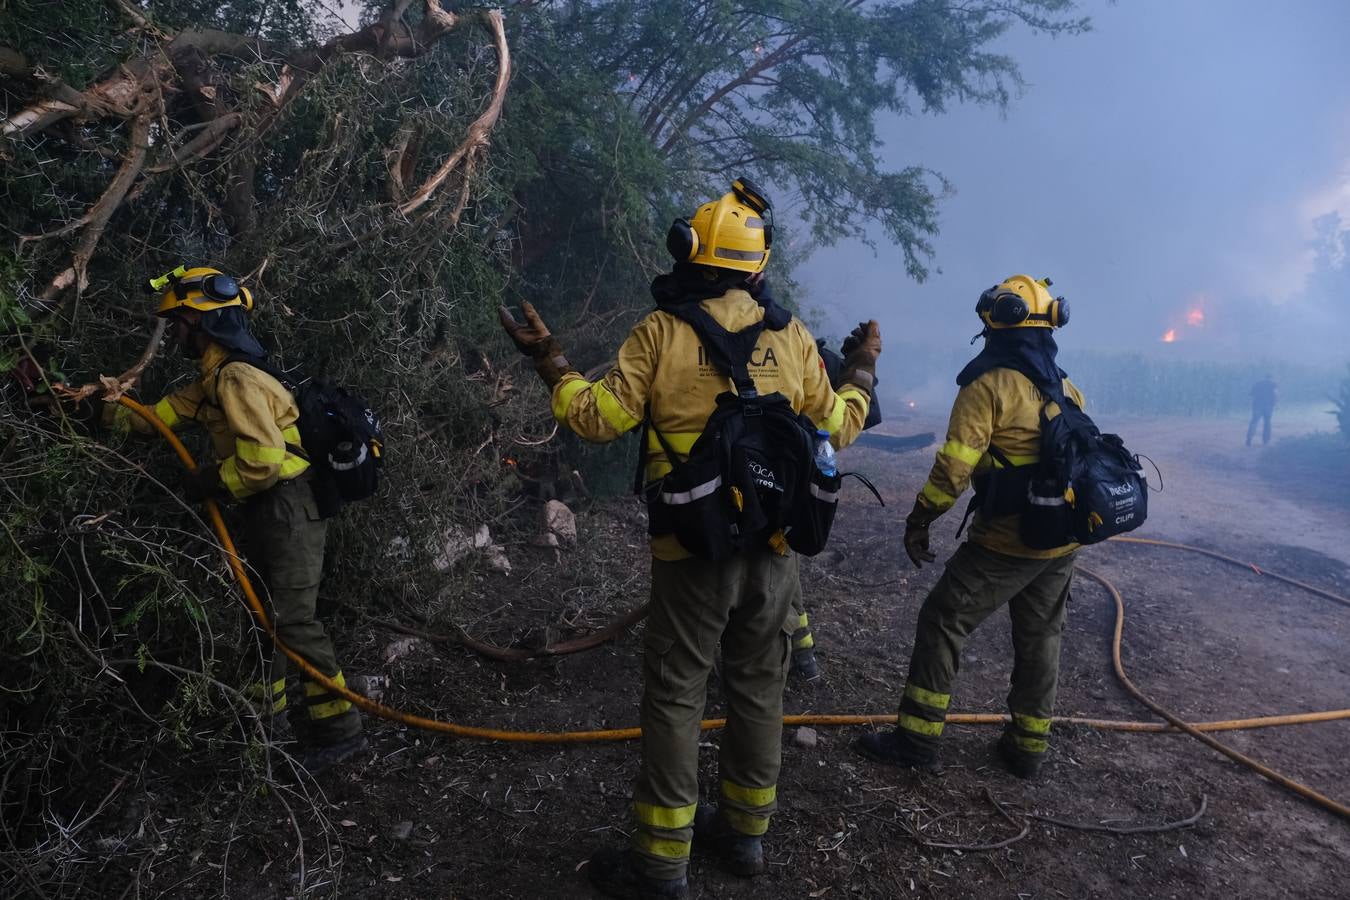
[
  {"x": 740, "y": 603},
  {"x": 993, "y": 437},
  {"x": 252, "y": 421}
]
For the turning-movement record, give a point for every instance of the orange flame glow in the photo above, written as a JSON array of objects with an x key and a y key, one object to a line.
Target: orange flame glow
[
  {"x": 1195, "y": 317},
  {"x": 1169, "y": 336}
]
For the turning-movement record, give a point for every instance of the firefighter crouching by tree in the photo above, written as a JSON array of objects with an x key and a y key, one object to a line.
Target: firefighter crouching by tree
[
  {"x": 252, "y": 421},
  {"x": 740, "y": 602},
  {"x": 997, "y": 411}
]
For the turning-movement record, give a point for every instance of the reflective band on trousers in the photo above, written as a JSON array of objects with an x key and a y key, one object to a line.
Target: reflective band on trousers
[
  {"x": 748, "y": 796},
  {"x": 668, "y": 817},
  {"x": 920, "y": 726},
  {"x": 927, "y": 697},
  {"x": 695, "y": 493},
  {"x": 1033, "y": 724},
  {"x": 659, "y": 846},
  {"x": 1036, "y": 499},
  {"x": 1031, "y": 745},
  {"x": 330, "y": 708},
  {"x": 745, "y": 823}
]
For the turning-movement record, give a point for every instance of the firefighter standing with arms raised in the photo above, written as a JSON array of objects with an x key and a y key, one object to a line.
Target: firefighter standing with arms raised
[{"x": 741, "y": 603}]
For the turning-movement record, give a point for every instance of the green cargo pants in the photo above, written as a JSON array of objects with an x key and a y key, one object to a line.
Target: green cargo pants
[
  {"x": 975, "y": 583},
  {"x": 285, "y": 544},
  {"x": 741, "y": 604}
]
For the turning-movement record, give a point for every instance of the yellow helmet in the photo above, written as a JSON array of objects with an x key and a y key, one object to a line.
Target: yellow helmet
[
  {"x": 734, "y": 231},
  {"x": 201, "y": 289},
  {"x": 1021, "y": 301}
]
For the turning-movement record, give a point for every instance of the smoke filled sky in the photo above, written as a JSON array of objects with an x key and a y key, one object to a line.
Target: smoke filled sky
[{"x": 1167, "y": 170}]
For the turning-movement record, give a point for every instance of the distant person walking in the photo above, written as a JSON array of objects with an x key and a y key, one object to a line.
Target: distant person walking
[{"x": 1264, "y": 393}]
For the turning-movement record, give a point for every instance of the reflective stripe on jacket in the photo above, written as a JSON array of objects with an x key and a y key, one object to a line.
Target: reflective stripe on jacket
[
  {"x": 1002, "y": 407},
  {"x": 249, "y": 415},
  {"x": 663, "y": 365}
]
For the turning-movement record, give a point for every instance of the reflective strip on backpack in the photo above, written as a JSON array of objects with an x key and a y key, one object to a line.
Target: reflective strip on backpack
[
  {"x": 346, "y": 466},
  {"x": 695, "y": 493},
  {"x": 1037, "y": 500},
  {"x": 823, "y": 495}
]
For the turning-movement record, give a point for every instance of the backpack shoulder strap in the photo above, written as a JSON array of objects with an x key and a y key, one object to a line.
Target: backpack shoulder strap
[{"x": 729, "y": 350}]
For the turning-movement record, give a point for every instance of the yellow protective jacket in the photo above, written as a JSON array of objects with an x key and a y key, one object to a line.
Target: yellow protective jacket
[
  {"x": 663, "y": 366},
  {"x": 1002, "y": 407},
  {"x": 250, "y": 416}
]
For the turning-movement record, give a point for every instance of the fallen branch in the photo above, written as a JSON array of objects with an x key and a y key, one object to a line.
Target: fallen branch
[
  {"x": 521, "y": 654},
  {"x": 96, "y": 221},
  {"x": 1126, "y": 829},
  {"x": 981, "y": 848},
  {"x": 116, "y": 387}
]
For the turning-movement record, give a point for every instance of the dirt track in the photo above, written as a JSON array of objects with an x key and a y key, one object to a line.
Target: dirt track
[{"x": 430, "y": 817}]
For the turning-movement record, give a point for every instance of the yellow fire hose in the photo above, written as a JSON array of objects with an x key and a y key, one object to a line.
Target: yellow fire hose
[{"x": 1196, "y": 730}]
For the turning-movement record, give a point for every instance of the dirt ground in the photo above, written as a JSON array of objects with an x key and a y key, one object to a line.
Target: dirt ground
[{"x": 427, "y": 816}]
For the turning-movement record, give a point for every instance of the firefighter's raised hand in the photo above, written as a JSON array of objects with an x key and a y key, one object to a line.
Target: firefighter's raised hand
[
  {"x": 531, "y": 337},
  {"x": 862, "y": 348},
  {"x": 863, "y": 343}
]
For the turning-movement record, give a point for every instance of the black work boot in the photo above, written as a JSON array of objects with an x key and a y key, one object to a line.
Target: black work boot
[
  {"x": 613, "y": 874},
  {"x": 1016, "y": 760},
  {"x": 740, "y": 854},
  {"x": 804, "y": 664},
  {"x": 322, "y": 757},
  {"x": 895, "y": 748}
]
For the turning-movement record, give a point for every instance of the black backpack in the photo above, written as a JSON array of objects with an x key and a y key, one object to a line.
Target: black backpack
[
  {"x": 341, "y": 435},
  {"x": 1087, "y": 486},
  {"x": 752, "y": 471}
]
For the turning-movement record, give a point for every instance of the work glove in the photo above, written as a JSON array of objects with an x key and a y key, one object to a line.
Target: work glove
[
  {"x": 203, "y": 483},
  {"x": 861, "y": 350},
  {"x": 916, "y": 533},
  {"x": 533, "y": 339}
]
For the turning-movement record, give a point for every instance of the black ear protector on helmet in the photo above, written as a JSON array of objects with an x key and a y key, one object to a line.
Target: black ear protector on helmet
[
  {"x": 682, "y": 240},
  {"x": 218, "y": 287},
  {"x": 999, "y": 306},
  {"x": 221, "y": 288},
  {"x": 1002, "y": 307}
]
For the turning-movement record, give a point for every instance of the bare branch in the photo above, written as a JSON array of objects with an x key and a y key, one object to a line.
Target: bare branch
[
  {"x": 97, "y": 219},
  {"x": 476, "y": 140}
]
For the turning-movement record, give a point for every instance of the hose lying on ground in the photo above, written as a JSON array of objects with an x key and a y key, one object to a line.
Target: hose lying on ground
[{"x": 618, "y": 734}]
